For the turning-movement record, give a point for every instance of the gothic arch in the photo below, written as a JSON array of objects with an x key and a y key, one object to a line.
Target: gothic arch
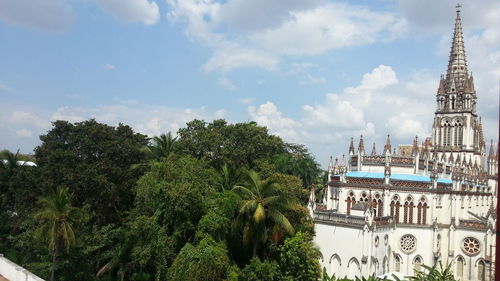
[
  {"x": 351, "y": 200},
  {"x": 481, "y": 269},
  {"x": 377, "y": 204},
  {"x": 395, "y": 206},
  {"x": 385, "y": 265},
  {"x": 446, "y": 128},
  {"x": 353, "y": 268},
  {"x": 335, "y": 257},
  {"x": 334, "y": 264},
  {"x": 418, "y": 261},
  {"x": 459, "y": 265},
  {"x": 408, "y": 210},
  {"x": 398, "y": 262},
  {"x": 422, "y": 210}
]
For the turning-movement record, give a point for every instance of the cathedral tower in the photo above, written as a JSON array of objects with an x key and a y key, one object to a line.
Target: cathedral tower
[{"x": 457, "y": 129}]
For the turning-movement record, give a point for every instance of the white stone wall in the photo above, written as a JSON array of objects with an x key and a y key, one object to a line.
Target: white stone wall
[{"x": 14, "y": 272}]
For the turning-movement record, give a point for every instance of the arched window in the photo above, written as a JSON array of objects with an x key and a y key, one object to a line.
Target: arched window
[
  {"x": 422, "y": 211},
  {"x": 446, "y": 133},
  {"x": 481, "y": 271},
  {"x": 335, "y": 264},
  {"x": 377, "y": 205},
  {"x": 351, "y": 199},
  {"x": 364, "y": 197},
  {"x": 408, "y": 210},
  {"x": 385, "y": 265},
  {"x": 458, "y": 133},
  {"x": 417, "y": 262},
  {"x": 397, "y": 263},
  {"x": 459, "y": 268},
  {"x": 395, "y": 208},
  {"x": 353, "y": 268}
]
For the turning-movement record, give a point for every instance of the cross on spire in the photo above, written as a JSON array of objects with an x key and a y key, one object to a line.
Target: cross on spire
[{"x": 458, "y": 6}]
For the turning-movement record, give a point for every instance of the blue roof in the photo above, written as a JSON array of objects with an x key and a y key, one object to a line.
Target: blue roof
[
  {"x": 446, "y": 181},
  {"x": 365, "y": 175},
  {"x": 410, "y": 177},
  {"x": 406, "y": 177}
]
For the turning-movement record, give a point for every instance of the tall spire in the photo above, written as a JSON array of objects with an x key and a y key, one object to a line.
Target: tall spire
[
  {"x": 387, "y": 146},
  {"x": 361, "y": 145},
  {"x": 351, "y": 147},
  {"x": 457, "y": 63},
  {"x": 374, "y": 151},
  {"x": 492, "y": 151}
]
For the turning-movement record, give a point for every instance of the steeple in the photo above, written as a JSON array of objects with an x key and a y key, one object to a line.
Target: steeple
[
  {"x": 457, "y": 63},
  {"x": 361, "y": 145},
  {"x": 351, "y": 147},
  {"x": 387, "y": 146},
  {"x": 491, "y": 156},
  {"x": 415, "y": 148},
  {"x": 374, "y": 151}
]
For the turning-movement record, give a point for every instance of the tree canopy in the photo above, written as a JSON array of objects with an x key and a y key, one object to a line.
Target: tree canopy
[{"x": 216, "y": 201}]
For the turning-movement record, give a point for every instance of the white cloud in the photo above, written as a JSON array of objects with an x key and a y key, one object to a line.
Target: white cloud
[
  {"x": 229, "y": 58},
  {"x": 325, "y": 28},
  {"x": 5, "y": 88},
  {"x": 108, "y": 66},
  {"x": 28, "y": 118},
  {"x": 379, "y": 105},
  {"x": 272, "y": 32},
  {"x": 246, "y": 100},
  {"x": 268, "y": 115},
  {"x": 23, "y": 133},
  {"x": 47, "y": 15},
  {"x": 144, "y": 11},
  {"x": 227, "y": 84}
]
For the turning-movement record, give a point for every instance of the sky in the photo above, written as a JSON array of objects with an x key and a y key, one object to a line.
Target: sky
[{"x": 315, "y": 72}]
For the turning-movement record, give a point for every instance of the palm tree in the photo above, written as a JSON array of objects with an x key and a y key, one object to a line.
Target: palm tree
[
  {"x": 163, "y": 146},
  {"x": 8, "y": 159},
  {"x": 261, "y": 214},
  {"x": 57, "y": 218},
  {"x": 228, "y": 177}
]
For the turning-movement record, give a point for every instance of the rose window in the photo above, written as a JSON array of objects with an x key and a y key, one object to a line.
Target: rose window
[
  {"x": 471, "y": 246},
  {"x": 408, "y": 243}
]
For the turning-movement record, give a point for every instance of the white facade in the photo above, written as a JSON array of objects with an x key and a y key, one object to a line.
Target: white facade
[{"x": 394, "y": 212}]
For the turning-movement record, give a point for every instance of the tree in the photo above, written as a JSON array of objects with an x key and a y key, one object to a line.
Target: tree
[
  {"x": 163, "y": 146},
  {"x": 257, "y": 270},
  {"x": 242, "y": 144},
  {"x": 228, "y": 177},
  {"x": 207, "y": 261},
  {"x": 261, "y": 214},
  {"x": 94, "y": 161},
  {"x": 58, "y": 219},
  {"x": 299, "y": 258}
]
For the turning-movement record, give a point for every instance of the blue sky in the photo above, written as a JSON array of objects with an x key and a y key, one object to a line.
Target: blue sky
[{"x": 314, "y": 72}]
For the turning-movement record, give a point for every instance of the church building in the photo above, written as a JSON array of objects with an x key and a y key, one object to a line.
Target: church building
[{"x": 431, "y": 202}]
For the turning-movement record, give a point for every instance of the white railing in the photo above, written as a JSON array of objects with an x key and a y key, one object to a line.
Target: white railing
[{"x": 14, "y": 272}]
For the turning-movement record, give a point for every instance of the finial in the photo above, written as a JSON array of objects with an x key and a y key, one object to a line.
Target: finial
[
  {"x": 458, "y": 6},
  {"x": 374, "y": 152}
]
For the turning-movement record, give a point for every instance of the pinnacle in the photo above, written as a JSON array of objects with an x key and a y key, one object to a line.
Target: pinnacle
[{"x": 457, "y": 64}]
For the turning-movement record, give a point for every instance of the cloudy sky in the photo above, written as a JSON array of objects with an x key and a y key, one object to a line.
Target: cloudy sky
[{"x": 315, "y": 72}]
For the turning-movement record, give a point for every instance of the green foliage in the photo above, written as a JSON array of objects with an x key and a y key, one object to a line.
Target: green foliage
[
  {"x": 433, "y": 274},
  {"x": 257, "y": 270},
  {"x": 298, "y": 258},
  {"x": 241, "y": 144},
  {"x": 163, "y": 146},
  {"x": 93, "y": 160},
  {"x": 57, "y": 218},
  {"x": 172, "y": 209},
  {"x": 207, "y": 261},
  {"x": 261, "y": 214}
]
